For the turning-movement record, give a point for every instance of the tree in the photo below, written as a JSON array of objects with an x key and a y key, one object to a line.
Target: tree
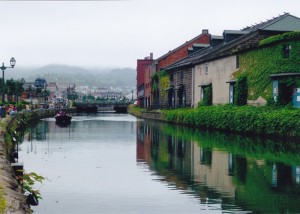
[{"x": 10, "y": 89}]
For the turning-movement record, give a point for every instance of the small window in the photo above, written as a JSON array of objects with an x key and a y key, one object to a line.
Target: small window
[
  {"x": 206, "y": 69},
  {"x": 171, "y": 77},
  {"x": 287, "y": 51},
  {"x": 237, "y": 61},
  {"x": 181, "y": 74}
]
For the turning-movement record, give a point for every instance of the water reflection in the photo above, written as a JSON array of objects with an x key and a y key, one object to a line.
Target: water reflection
[{"x": 233, "y": 173}]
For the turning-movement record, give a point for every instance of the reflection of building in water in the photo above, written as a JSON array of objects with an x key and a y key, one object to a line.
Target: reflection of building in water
[
  {"x": 38, "y": 131},
  {"x": 197, "y": 167},
  {"x": 143, "y": 142},
  {"x": 211, "y": 168}
]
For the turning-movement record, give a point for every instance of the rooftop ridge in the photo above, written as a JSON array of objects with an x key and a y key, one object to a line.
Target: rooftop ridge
[{"x": 265, "y": 23}]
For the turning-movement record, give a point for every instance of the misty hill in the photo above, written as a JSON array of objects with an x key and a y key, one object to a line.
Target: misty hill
[{"x": 122, "y": 77}]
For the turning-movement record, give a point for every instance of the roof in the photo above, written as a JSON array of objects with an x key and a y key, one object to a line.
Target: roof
[
  {"x": 189, "y": 59},
  {"x": 274, "y": 22},
  {"x": 216, "y": 37},
  {"x": 235, "y": 32},
  {"x": 273, "y": 26},
  {"x": 204, "y": 32}
]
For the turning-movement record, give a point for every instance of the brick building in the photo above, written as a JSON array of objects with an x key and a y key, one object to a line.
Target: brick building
[
  {"x": 199, "y": 42},
  {"x": 182, "y": 51},
  {"x": 144, "y": 73},
  {"x": 213, "y": 66}
]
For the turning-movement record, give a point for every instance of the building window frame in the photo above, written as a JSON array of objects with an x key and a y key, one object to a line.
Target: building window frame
[
  {"x": 171, "y": 77},
  {"x": 206, "y": 69},
  {"x": 237, "y": 62},
  {"x": 287, "y": 50}
]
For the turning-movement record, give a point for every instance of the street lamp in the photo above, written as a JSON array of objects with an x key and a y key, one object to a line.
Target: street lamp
[{"x": 3, "y": 68}]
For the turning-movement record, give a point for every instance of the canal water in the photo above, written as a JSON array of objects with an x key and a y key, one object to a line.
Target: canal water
[{"x": 116, "y": 163}]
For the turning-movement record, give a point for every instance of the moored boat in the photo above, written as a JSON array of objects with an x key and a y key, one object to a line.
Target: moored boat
[{"x": 62, "y": 117}]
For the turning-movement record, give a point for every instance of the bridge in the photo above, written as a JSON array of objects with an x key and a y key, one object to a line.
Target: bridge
[{"x": 119, "y": 106}]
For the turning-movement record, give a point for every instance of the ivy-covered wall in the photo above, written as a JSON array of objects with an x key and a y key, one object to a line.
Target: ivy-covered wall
[
  {"x": 160, "y": 82},
  {"x": 257, "y": 65}
]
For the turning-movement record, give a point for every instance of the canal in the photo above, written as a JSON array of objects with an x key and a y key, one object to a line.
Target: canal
[{"x": 116, "y": 163}]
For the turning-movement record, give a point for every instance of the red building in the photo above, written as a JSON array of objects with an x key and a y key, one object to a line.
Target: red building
[
  {"x": 201, "y": 41},
  {"x": 144, "y": 72},
  {"x": 182, "y": 51}
]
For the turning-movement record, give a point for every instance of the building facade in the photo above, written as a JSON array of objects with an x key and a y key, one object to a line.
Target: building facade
[
  {"x": 178, "y": 94},
  {"x": 144, "y": 72}
]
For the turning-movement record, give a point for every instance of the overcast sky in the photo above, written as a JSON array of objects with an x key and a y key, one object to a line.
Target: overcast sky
[{"x": 116, "y": 33}]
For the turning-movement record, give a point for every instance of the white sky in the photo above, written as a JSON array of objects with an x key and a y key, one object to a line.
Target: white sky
[{"x": 117, "y": 33}]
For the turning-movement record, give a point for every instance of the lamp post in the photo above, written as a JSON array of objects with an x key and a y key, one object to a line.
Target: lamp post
[{"x": 3, "y": 68}]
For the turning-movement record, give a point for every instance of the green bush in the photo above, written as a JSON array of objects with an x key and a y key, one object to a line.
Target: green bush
[
  {"x": 245, "y": 119},
  {"x": 207, "y": 96}
]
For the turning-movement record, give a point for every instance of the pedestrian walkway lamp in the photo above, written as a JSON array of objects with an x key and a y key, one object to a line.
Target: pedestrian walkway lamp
[{"x": 3, "y": 68}]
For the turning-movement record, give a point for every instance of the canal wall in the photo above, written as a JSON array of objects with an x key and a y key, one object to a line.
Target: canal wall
[{"x": 14, "y": 201}]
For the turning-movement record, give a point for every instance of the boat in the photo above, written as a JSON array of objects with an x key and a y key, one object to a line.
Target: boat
[{"x": 62, "y": 118}]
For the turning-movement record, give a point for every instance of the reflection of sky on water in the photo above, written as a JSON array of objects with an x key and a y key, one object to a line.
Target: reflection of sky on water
[
  {"x": 114, "y": 163},
  {"x": 91, "y": 168}
]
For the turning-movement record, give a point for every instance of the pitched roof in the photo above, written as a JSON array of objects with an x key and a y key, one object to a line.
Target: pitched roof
[
  {"x": 250, "y": 32},
  {"x": 268, "y": 23},
  {"x": 189, "y": 59},
  {"x": 204, "y": 32}
]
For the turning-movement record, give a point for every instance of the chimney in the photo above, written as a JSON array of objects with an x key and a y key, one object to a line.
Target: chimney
[
  {"x": 204, "y": 31},
  {"x": 151, "y": 56}
]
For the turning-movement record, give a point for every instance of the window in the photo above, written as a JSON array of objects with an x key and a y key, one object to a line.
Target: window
[
  {"x": 171, "y": 77},
  {"x": 181, "y": 74},
  {"x": 206, "y": 69},
  {"x": 287, "y": 51},
  {"x": 237, "y": 61}
]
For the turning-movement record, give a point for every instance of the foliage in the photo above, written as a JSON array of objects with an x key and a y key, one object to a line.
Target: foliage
[
  {"x": 160, "y": 81},
  {"x": 135, "y": 110},
  {"x": 154, "y": 82},
  {"x": 244, "y": 119},
  {"x": 164, "y": 84},
  {"x": 260, "y": 63},
  {"x": 241, "y": 91},
  {"x": 207, "y": 96},
  {"x": 280, "y": 38},
  {"x": 28, "y": 180},
  {"x": 2, "y": 201},
  {"x": 13, "y": 88}
]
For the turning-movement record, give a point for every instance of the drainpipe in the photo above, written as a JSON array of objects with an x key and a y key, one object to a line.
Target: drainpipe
[{"x": 193, "y": 86}]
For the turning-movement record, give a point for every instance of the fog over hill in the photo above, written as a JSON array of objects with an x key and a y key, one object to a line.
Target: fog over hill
[{"x": 118, "y": 77}]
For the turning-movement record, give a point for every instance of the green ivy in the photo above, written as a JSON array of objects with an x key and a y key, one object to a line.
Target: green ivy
[
  {"x": 160, "y": 81},
  {"x": 3, "y": 202},
  {"x": 241, "y": 91},
  {"x": 280, "y": 38},
  {"x": 207, "y": 96},
  {"x": 268, "y": 59}
]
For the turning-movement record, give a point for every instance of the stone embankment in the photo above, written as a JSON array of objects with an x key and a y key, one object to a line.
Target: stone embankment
[{"x": 14, "y": 200}]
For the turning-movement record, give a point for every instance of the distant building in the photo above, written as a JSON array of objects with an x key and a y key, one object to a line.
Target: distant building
[
  {"x": 65, "y": 89},
  {"x": 144, "y": 73},
  {"x": 109, "y": 95},
  {"x": 40, "y": 83},
  {"x": 52, "y": 87}
]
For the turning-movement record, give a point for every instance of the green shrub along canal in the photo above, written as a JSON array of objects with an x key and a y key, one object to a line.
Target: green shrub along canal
[
  {"x": 248, "y": 120},
  {"x": 117, "y": 163}
]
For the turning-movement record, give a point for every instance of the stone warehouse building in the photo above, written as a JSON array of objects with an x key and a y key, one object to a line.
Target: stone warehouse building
[{"x": 214, "y": 68}]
